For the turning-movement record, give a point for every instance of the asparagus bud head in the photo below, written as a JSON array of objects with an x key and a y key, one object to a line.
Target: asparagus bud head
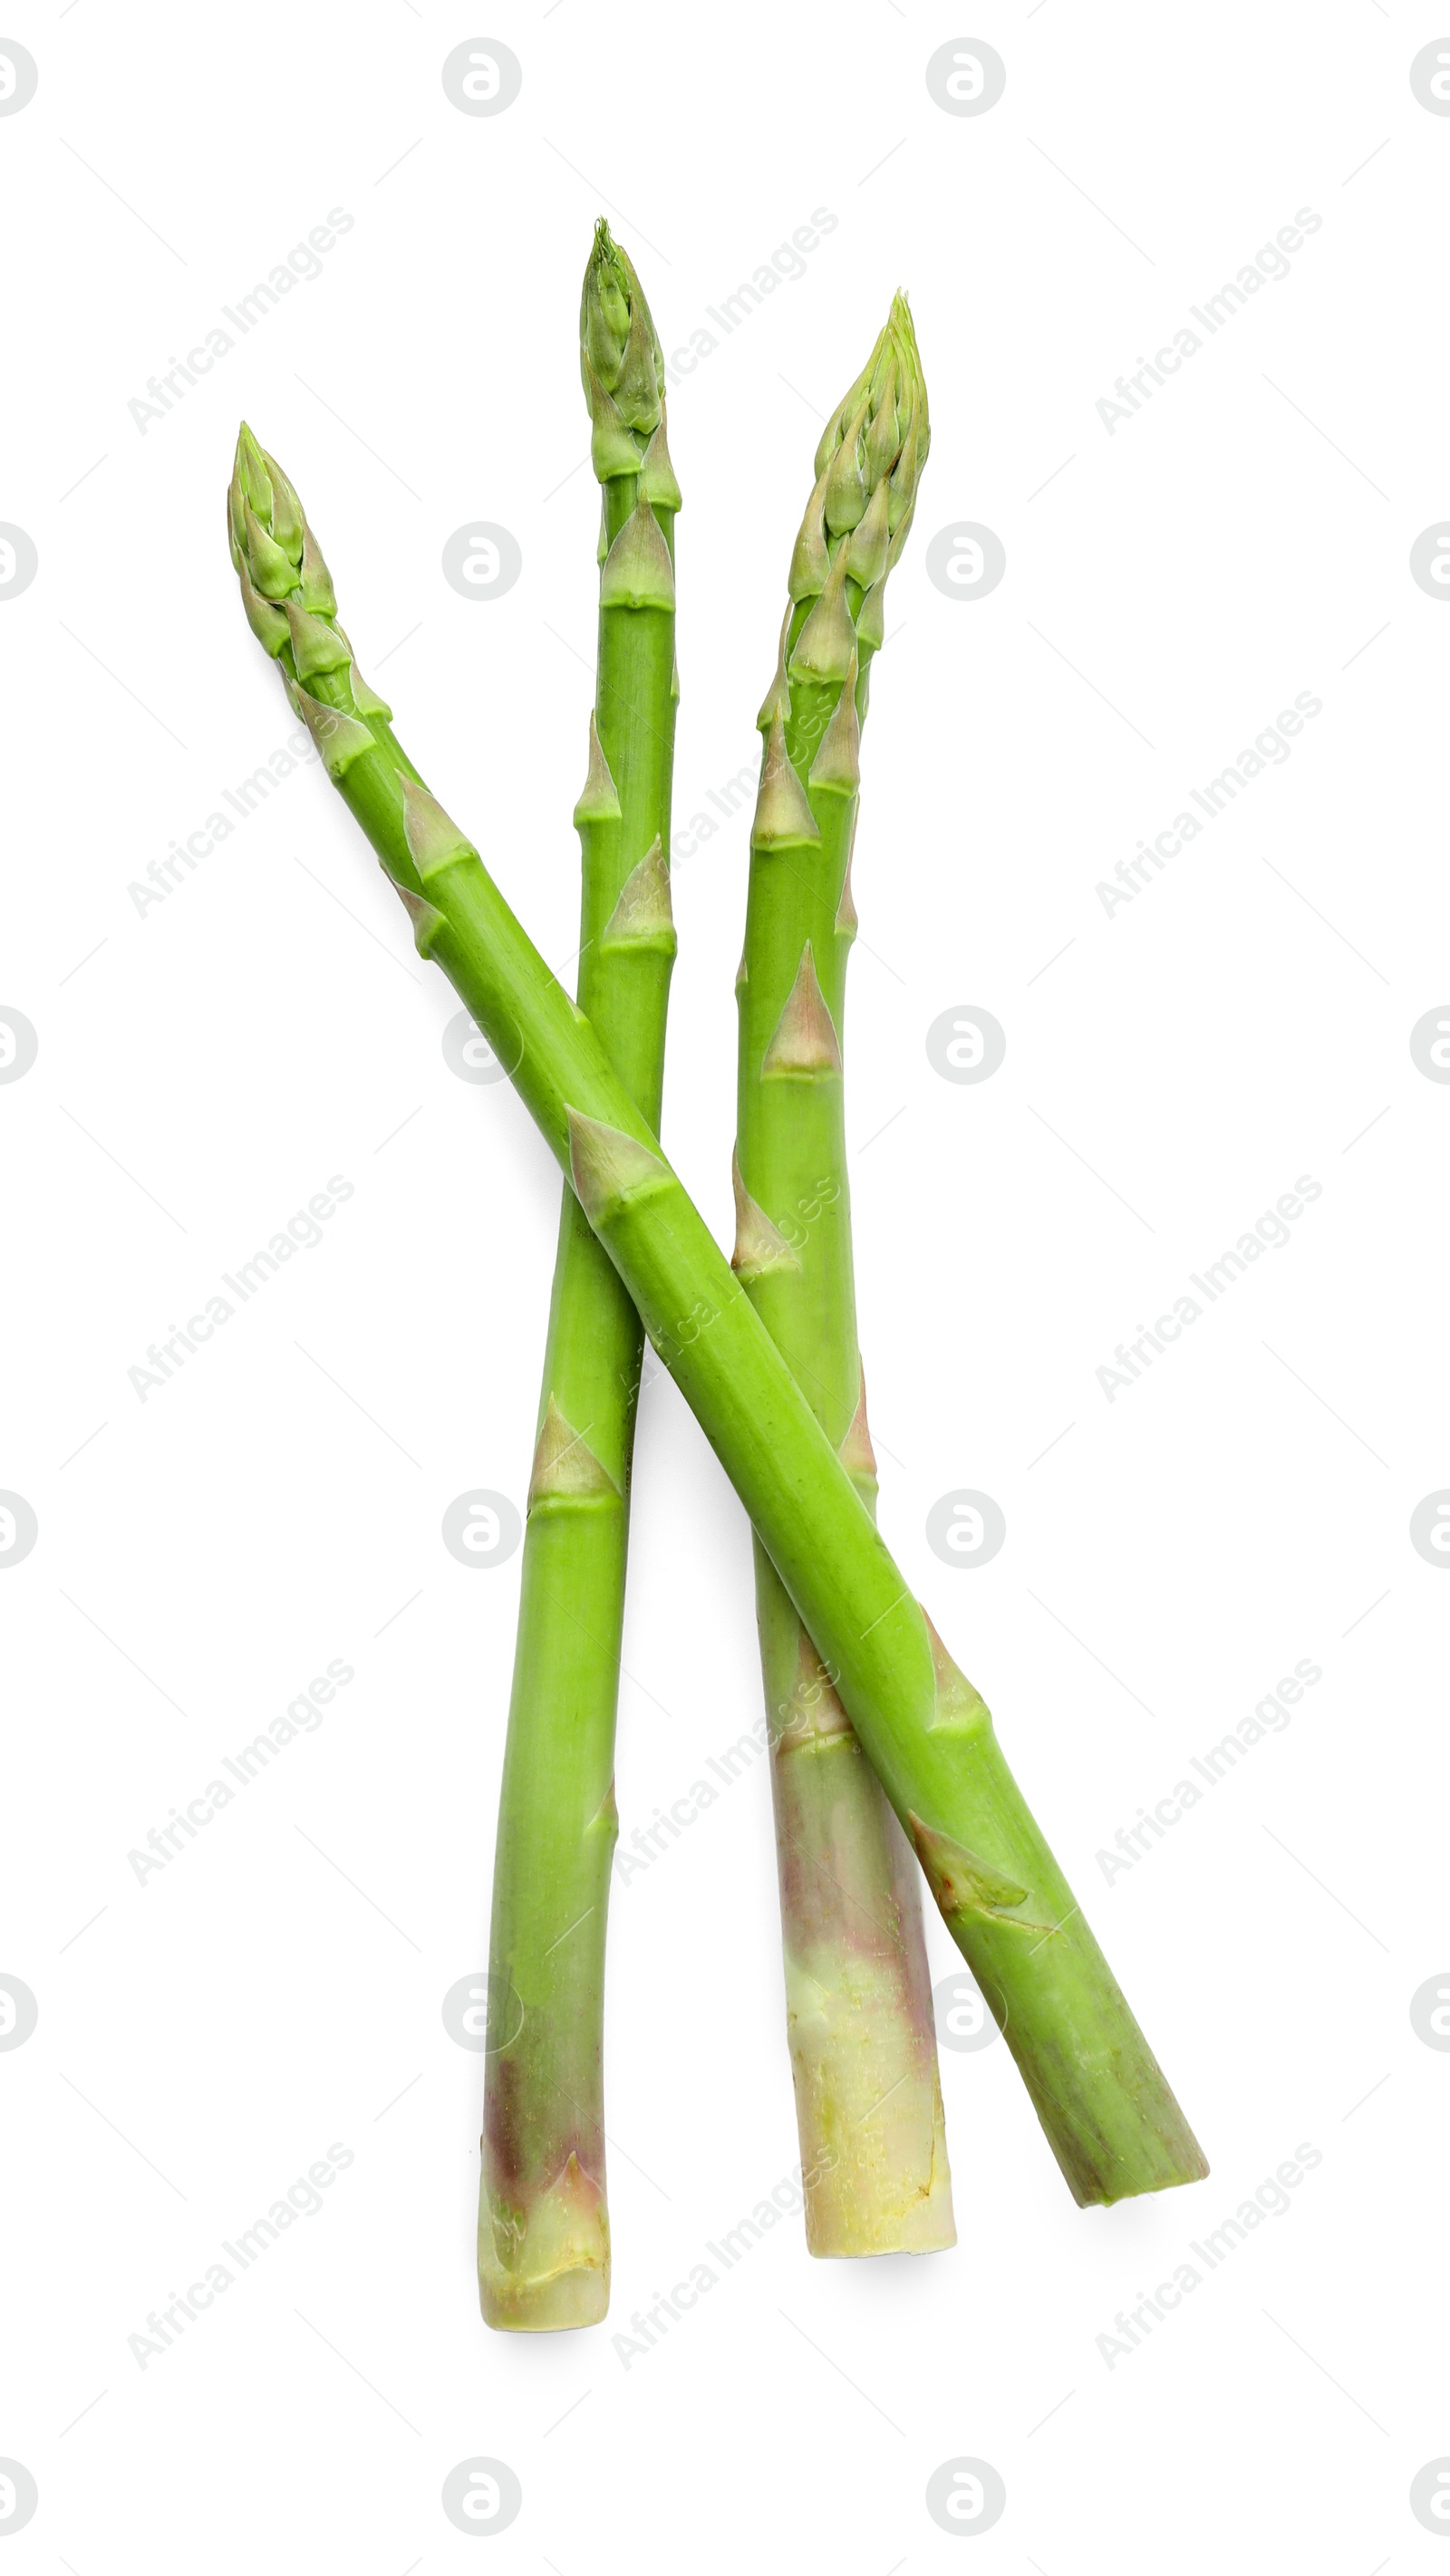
[
  {"x": 620, "y": 358},
  {"x": 291, "y": 605},
  {"x": 868, "y": 466}
]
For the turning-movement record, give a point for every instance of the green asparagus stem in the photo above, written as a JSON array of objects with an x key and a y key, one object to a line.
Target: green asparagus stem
[
  {"x": 543, "y": 2227},
  {"x": 1107, "y": 2110},
  {"x": 858, "y": 1989}
]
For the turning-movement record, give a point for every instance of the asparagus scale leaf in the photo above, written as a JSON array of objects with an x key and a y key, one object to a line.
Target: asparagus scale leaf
[
  {"x": 858, "y": 1988},
  {"x": 1106, "y": 2107}
]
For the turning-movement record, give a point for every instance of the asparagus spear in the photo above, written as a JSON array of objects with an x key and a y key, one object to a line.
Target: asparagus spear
[
  {"x": 543, "y": 2226},
  {"x": 858, "y": 1989},
  {"x": 1108, "y": 2112}
]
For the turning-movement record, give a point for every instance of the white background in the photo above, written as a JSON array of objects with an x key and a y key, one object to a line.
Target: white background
[{"x": 206, "y": 1065}]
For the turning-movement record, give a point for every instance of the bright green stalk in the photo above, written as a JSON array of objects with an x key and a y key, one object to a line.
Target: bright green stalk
[
  {"x": 543, "y": 2225},
  {"x": 858, "y": 1988},
  {"x": 1109, "y": 2115}
]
